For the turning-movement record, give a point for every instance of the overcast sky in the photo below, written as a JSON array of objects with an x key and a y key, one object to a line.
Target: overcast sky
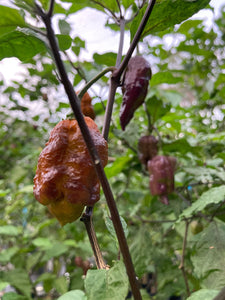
[{"x": 86, "y": 24}]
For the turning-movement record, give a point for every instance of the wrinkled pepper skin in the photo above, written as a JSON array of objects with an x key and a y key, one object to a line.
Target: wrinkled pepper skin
[
  {"x": 147, "y": 148},
  {"x": 65, "y": 179},
  {"x": 161, "y": 170},
  {"x": 86, "y": 106},
  {"x": 135, "y": 87}
]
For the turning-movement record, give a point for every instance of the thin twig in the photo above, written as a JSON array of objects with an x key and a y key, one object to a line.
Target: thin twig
[
  {"x": 181, "y": 267},
  {"x": 87, "y": 219},
  {"x": 118, "y": 3},
  {"x": 51, "y": 8},
  {"x": 109, "y": 108},
  {"x": 117, "y": 74},
  {"x": 121, "y": 42},
  {"x": 74, "y": 102},
  {"x": 93, "y": 80},
  {"x": 107, "y": 9},
  {"x": 78, "y": 69}
]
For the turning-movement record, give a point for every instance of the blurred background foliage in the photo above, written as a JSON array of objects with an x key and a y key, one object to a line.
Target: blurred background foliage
[{"x": 184, "y": 109}]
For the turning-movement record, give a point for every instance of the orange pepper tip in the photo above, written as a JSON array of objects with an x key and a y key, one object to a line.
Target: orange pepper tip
[{"x": 65, "y": 212}]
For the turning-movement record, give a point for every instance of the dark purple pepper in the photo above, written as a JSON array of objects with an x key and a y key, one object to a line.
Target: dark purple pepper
[
  {"x": 135, "y": 87},
  {"x": 161, "y": 170},
  {"x": 147, "y": 148}
]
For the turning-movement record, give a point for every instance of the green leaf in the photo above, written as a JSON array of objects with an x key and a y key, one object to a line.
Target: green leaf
[
  {"x": 3, "y": 285},
  {"x": 21, "y": 45},
  {"x": 10, "y": 230},
  {"x": 19, "y": 279},
  {"x": 180, "y": 145},
  {"x": 64, "y": 27},
  {"x": 56, "y": 250},
  {"x": 7, "y": 254},
  {"x": 165, "y": 77},
  {"x": 107, "y": 284},
  {"x": 187, "y": 25},
  {"x": 62, "y": 105},
  {"x": 110, "y": 227},
  {"x": 166, "y": 14},
  {"x": 10, "y": 18},
  {"x": 64, "y": 41},
  {"x": 208, "y": 257},
  {"x": 73, "y": 295},
  {"x": 141, "y": 250},
  {"x": 213, "y": 196},
  {"x": 108, "y": 59},
  {"x": 61, "y": 284},
  {"x": 43, "y": 243},
  {"x": 3, "y": 193},
  {"x": 203, "y": 294},
  {"x": 13, "y": 296},
  {"x": 78, "y": 44},
  {"x": 117, "y": 166},
  {"x": 157, "y": 108}
]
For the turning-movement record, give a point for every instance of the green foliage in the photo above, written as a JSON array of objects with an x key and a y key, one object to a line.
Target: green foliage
[
  {"x": 184, "y": 110},
  {"x": 203, "y": 294},
  {"x": 107, "y": 284},
  {"x": 166, "y": 14}
]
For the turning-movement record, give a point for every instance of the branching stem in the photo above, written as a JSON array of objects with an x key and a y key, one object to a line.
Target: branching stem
[
  {"x": 93, "y": 80},
  {"x": 117, "y": 74},
  {"x": 74, "y": 102},
  {"x": 87, "y": 219}
]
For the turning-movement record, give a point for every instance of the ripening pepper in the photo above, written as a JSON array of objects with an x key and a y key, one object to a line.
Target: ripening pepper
[
  {"x": 86, "y": 106},
  {"x": 161, "y": 170},
  {"x": 147, "y": 148},
  {"x": 135, "y": 87},
  {"x": 66, "y": 180}
]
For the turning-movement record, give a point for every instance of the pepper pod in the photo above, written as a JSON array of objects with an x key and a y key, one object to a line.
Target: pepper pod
[
  {"x": 147, "y": 148},
  {"x": 66, "y": 180},
  {"x": 87, "y": 107},
  {"x": 161, "y": 170},
  {"x": 135, "y": 87}
]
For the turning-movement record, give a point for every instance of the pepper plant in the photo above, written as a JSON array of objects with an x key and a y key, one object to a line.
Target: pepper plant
[{"x": 134, "y": 246}]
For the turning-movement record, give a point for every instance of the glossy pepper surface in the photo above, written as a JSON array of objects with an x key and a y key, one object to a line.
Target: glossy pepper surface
[
  {"x": 135, "y": 87},
  {"x": 87, "y": 107},
  {"x": 161, "y": 170},
  {"x": 65, "y": 179}
]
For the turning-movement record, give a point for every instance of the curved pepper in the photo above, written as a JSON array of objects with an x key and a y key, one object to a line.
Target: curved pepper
[{"x": 136, "y": 81}]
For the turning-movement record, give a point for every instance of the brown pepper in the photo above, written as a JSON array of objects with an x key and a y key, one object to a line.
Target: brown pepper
[
  {"x": 147, "y": 148},
  {"x": 66, "y": 180},
  {"x": 86, "y": 106},
  {"x": 161, "y": 170}
]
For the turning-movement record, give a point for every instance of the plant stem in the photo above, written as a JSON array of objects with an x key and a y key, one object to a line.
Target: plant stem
[
  {"x": 109, "y": 108},
  {"x": 87, "y": 219},
  {"x": 117, "y": 74},
  {"x": 93, "y": 80},
  {"x": 181, "y": 267},
  {"x": 121, "y": 42},
  {"x": 74, "y": 102}
]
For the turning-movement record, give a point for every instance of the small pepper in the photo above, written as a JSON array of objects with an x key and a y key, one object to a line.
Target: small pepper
[
  {"x": 135, "y": 87},
  {"x": 147, "y": 148},
  {"x": 161, "y": 170}
]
